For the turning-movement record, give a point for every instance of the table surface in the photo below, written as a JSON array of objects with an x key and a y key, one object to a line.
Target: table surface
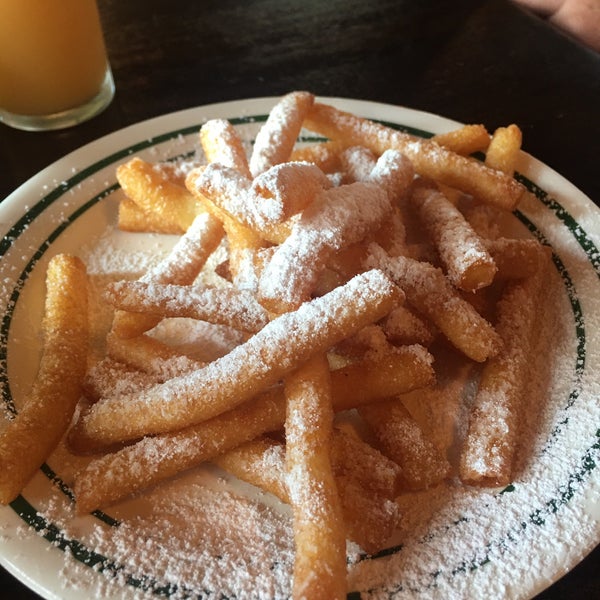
[{"x": 478, "y": 62}]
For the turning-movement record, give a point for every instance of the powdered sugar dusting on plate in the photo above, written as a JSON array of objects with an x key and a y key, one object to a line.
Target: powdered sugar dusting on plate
[{"x": 192, "y": 537}]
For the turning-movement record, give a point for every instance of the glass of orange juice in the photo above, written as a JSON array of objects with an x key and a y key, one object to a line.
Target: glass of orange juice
[{"x": 54, "y": 70}]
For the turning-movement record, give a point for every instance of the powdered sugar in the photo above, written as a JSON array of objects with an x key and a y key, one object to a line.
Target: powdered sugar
[
  {"x": 193, "y": 537},
  {"x": 337, "y": 218},
  {"x": 225, "y": 305}
]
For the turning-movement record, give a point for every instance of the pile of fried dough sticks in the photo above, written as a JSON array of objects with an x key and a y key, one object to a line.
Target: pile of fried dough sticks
[{"x": 354, "y": 265}]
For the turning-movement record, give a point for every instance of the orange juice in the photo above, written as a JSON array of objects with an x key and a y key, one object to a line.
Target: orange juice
[{"x": 52, "y": 55}]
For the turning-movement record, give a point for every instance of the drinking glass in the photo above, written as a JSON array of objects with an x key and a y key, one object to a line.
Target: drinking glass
[{"x": 54, "y": 69}]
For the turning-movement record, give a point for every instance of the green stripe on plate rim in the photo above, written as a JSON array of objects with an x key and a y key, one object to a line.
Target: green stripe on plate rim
[{"x": 89, "y": 557}]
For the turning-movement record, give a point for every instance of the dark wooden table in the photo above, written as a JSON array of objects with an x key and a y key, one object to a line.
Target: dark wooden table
[{"x": 473, "y": 61}]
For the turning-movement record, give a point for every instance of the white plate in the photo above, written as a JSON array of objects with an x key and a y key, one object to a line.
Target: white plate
[{"x": 496, "y": 544}]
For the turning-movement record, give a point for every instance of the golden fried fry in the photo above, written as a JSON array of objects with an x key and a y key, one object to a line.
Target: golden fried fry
[
  {"x": 515, "y": 258},
  {"x": 429, "y": 159},
  {"x": 404, "y": 326},
  {"x": 260, "y": 462},
  {"x": 154, "y": 192},
  {"x": 491, "y": 441},
  {"x": 319, "y": 533},
  {"x": 292, "y": 186},
  {"x": 222, "y": 306},
  {"x": 431, "y": 294},
  {"x": 394, "y": 172},
  {"x": 357, "y": 162},
  {"x": 378, "y": 377},
  {"x": 465, "y": 140},
  {"x": 325, "y": 155},
  {"x": 368, "y": 483},
  {"x": 150, "y": 356},
  {"x": 222, "y": 144},
  {"x": 276, "y": 139},
  {"x": 337, "y": 218},
  {"x": 116, "y": 475},
  {"x": 503, "y": 151},
  {"x": 370, "y": 514},
  {"x": 108, "y": 377},
  {"x": 273, "y": 197},
  {"x": 468, "y": 264},
  {"x": 243, "y": 242},
  {"x": 356, "y": 460},
  {"x": 35, "y": 431},
  {"x": 371, "y": 518}
]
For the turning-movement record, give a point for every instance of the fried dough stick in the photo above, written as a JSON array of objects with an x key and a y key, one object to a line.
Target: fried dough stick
[
  {"x": 319, "y": 534},
  {"x": 464, "y": 140},
  {"x": 32, "y": 435},
  {"x": 429, "y": 158},
  {"x": 262, "y": 463},
  {"x": 368, "y": 483},
  {"x": 503, "y": 151},
  {"x": 378, "y": 377},
  {"x": 222, "y": 144},
  {"x": 225, "y": 306},
  {"x": 339, "y": 217},
  {"x": 156, "y": 194},
  {"x": 150, "y": 356},
  {"x": 354, "y": 458},
  {"x": 264, "y": 204},
  {"x": 469, "y": 265},
  {"x": 404, "y": 326},
  {"x": 133, "y": 364},
  {"x": 276, "y": 138},
  {"x": 515, "y": 258},
  {"x": 114, "y": 476},
  {"x": 325, "y": 155},
  {"x": 109, "y": 376},
  {"x": 357, "y": 162},
  {"x": 491, "y": 440},
  {"x": 181, "y": 266},
  {"x": 250, "y": 367},
  {"x": 430, "y": 293}
]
